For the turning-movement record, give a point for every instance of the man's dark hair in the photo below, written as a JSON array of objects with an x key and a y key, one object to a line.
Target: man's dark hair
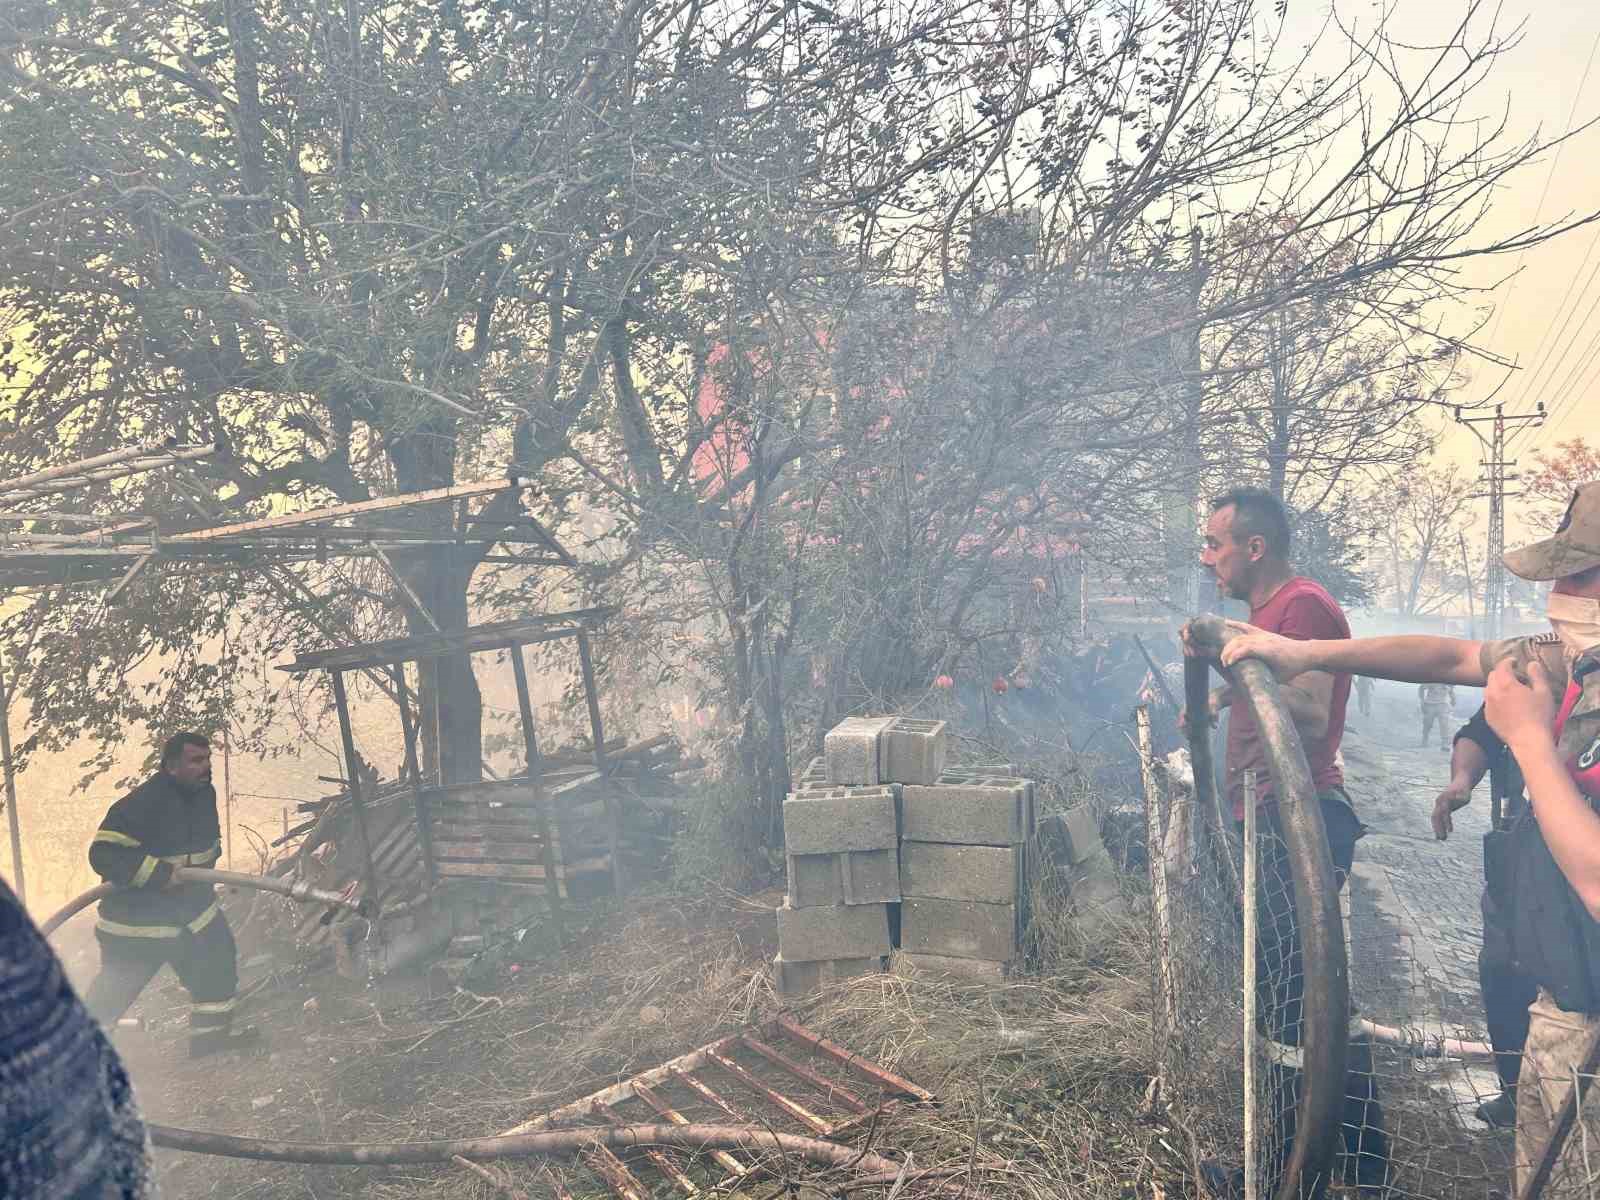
[
  {"x": 173, "y": 750},
  {"x": 1257, "y": 513}
]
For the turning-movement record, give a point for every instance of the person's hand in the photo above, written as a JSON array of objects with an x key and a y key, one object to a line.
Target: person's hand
[
  {"x": 1455, "y": 796},
  {"x": 1285, "y": 657},
  {"x": 1521, "y": 713},
  {"x": 1190, "y": 650}
]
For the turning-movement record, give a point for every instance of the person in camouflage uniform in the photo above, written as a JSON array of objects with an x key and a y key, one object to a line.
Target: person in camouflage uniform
[{"x": 1438, "y": 703}]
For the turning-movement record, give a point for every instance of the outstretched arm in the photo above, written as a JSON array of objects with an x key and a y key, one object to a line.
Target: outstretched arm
[
  {"x": 1408, "y": 659},
  {"x": 1468, "y": 764}
]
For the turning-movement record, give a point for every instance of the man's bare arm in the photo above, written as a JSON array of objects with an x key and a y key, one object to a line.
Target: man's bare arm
[
  {"x": 1309, "y": 698},
  {"x": 1468, "y": 765},
  {"x": 1406, "y": 658}
]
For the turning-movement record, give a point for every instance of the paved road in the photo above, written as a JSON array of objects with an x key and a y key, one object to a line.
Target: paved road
[
  {"x": 1423, "y": 891},
  {"x": 1414, "y": 918}
]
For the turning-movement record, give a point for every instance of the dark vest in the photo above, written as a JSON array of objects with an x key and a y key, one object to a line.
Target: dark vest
[{"x": 1554, "y": 940}]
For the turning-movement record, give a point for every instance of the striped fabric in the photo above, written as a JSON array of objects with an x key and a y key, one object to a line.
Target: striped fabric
[
  {"x": 123, "y": 929},
  {"x": 69, "y": 1129}
]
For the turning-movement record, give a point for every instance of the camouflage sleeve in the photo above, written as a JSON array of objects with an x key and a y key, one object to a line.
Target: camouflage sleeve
[
  {"x": 1580, "y": 737},
  {"x": 1544, "y": 648}
]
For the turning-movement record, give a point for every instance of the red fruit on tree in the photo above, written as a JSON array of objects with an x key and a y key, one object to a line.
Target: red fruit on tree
[
  {"x": 944, "y": 682},
  {"x": 1000, "y": 685}
]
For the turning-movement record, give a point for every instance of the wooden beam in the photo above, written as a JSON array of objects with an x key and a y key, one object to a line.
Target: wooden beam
[
  {"x": 501, "y": 635},
  {"x": 597, "y": 735},
  {"x": 530, "y": 742},
  {"x": 382, "y": 504}
]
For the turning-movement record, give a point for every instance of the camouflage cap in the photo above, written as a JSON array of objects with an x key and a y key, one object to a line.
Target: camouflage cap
[{"x": 1574, "y": 547}]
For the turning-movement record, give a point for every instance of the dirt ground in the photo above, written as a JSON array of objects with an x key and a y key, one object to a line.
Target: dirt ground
[
  {"x": 1040, "y": 1080},
  {"x": 661, "y": 973},
  {"x": 347, "y": 1062}
]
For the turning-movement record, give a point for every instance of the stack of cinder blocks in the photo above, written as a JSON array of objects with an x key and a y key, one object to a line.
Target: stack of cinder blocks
[
  {"x": 885, "y": 848},
  {"x": 964, "y": 872}
]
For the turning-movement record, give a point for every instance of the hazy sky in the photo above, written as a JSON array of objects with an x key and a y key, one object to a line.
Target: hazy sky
[{"x": 1548, "y": 315}]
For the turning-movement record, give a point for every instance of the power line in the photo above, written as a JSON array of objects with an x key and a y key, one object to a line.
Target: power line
[
  {"x": 1544, "y": 195},
  {"x": 1564, "y": 393},
  {"x": 1564, "y": 400},
  {"x": 1544, "y": 366},
  {"x": 1570, "y": 402}
]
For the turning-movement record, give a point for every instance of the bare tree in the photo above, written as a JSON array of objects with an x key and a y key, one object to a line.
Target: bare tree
[
  {"x": 1549, "y": 486},
  {"x": 940, "y": 292},
  {"x": 1419, "y": 520}
]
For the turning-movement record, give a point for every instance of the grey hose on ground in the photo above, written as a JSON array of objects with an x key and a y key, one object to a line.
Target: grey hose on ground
[
  {"x": 294, "y": 889},
  {"x": 524, "y": 1145},
  {"x": 1325, "y": 1007}
]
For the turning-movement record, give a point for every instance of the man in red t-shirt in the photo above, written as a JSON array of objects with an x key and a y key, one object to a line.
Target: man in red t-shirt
[
  {"x": 1247, "y": 541},
  {"x": 1247, "y": 551}
]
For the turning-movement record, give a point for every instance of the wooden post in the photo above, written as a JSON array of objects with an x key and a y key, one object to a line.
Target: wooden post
[
  {"x": 1251, "y": 1167},
  {"x": 419, "y": 801},
  {"x": 592, "y": 695},
  {"x": 227, "y": 795},
  {"x": 353, "y": 770},
  {"x": 547, "y": 820},
  {"x": 12, "y": 817}
]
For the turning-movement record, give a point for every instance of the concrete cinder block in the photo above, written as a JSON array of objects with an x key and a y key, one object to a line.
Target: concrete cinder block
[
  {"x": 814, "y": 777},
  {"x": 851, "y": 750},
  {"x": 983, "y": 812},
  {"x": 976, "y": 970},
  {"x": 838, "y": 819},
  {"x": 959, "y": 928},
  {"x": 851, "y": 877},
  {"x": 913, "y": 751},
  {"x": 967, "y": 772},
  {"x": 797, "y": 978},
  {"x": 1082, "y": 834},
  {"x": 990, "y": 874},
  {"x": 833, "y": 931}
]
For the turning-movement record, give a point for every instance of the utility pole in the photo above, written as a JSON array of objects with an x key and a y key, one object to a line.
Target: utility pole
[
  {"x": 1466, "y": 570},
  {"x": 1495, "y": 478}
]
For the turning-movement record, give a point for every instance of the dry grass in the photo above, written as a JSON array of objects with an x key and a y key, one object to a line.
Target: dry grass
[{"x": 1040, "y": 1080}]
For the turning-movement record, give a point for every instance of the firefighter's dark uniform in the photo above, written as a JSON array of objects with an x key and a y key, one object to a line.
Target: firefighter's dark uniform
[
  {"x": 157, "y": 827},
  {"x": 1506, "y": 991}
]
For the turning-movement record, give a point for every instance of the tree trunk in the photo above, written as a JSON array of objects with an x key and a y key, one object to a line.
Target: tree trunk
[
  {"x": 1282, "y": 383},
  {"x": 451, "y": 717}
]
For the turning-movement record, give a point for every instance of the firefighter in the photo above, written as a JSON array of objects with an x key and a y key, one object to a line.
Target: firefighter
[{"x": 168, "y": 821}]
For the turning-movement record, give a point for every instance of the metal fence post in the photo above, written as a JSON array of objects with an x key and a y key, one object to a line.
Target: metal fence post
[{"x": 1251, "y": 1165}]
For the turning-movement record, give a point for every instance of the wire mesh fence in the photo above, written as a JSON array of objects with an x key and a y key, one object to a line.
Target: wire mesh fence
[{"x": 1413, "y": 1121}]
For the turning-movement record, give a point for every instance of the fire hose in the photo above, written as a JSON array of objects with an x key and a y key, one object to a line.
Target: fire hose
[
  {"x": 1325, "y": 1009},
  {"x": 297, "y": 890}
]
